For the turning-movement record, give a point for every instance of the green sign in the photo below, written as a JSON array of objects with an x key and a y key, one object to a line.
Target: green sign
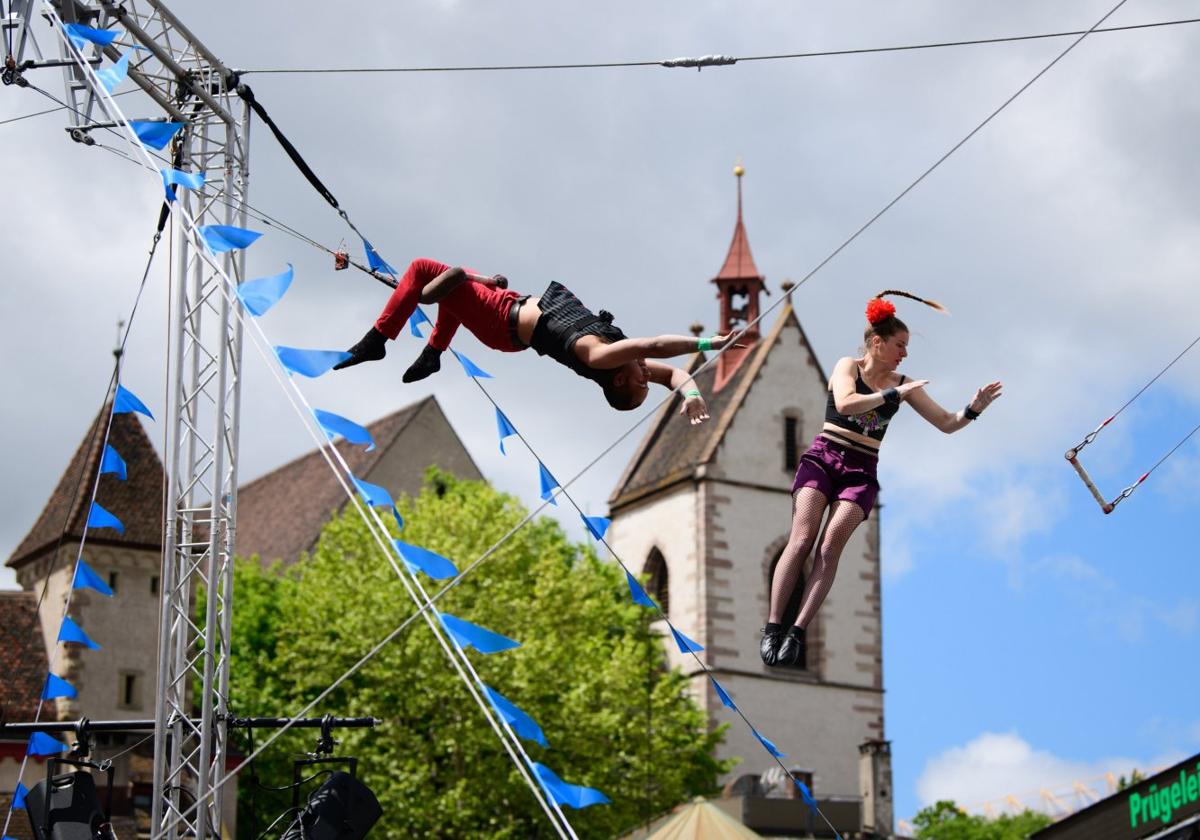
[{"x": 1160, "y": 804}]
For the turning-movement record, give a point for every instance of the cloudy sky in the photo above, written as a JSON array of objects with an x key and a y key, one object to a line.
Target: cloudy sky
[{"x": 1048, "y": 641}]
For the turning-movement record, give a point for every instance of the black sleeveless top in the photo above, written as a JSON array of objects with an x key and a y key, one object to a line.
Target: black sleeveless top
[
  {"x": 564, "y": 320},
  {"x": 873, "y": 423}
]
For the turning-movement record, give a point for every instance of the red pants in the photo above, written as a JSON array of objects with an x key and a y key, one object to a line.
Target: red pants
[{"x": 482, "y": 309}]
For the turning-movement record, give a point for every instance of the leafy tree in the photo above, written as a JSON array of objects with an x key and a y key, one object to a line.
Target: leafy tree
[
  {"x": 944, "y": 821},
  {"x": 1135, "y": 777},
  {"x": 588, "y": 671}
]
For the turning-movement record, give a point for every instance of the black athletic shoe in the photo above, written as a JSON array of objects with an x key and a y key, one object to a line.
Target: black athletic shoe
[
  {"x": 370, "y": 349},
  {"x": 427, "y": 364},
  {"x": 768, "y": 648},
  {"x": 791, "y": 652}
]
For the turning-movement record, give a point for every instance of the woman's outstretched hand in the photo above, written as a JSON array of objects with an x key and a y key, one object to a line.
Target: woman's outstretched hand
[
  {"x": 985, "y": 396},
  {"x": 695, "y": 409}
]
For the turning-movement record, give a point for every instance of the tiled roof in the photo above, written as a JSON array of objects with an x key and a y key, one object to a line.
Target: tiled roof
[
  {"x": 280, "y": 515},
  {"x": 22, "y": 657},
  {"x": 137, "y": 501}
]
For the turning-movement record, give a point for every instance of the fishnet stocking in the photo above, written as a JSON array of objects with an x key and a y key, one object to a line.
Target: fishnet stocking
[
  {"x": 808, "y": 505},
  {"x": 844, "y": 517}
]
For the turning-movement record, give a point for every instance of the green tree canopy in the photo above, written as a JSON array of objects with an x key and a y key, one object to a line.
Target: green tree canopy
[
  {"x": 944, "y": 821},
  {"x": 589, "y": 671}
]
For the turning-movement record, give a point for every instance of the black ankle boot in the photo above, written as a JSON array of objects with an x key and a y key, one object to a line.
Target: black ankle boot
[
  {"x": 792, "y": 653},
  {"x": 768, "y": 648},
  {"x": 370, "y": 349},
  {"x": 427, "y": 364}
]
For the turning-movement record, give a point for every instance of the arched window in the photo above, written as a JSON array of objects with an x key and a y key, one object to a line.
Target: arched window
[
  {"x": 657, "y": 579},
  {"x": 793, "y": 605}
]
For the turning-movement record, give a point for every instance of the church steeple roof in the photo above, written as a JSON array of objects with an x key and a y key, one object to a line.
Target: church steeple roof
[
  {"x": 739, "y": 262},
  {"x": 136, "y": 501}
]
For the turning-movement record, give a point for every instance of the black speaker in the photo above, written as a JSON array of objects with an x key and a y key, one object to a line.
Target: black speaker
[
  {"x": 341, "y": 809},
  {"x": 75, "y": 809}
]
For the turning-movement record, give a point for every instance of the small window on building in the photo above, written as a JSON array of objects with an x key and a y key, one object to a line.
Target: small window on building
[
  {"x": 154, "y": 584},
  {"x": 130, "y": 690},
  {"x": 112, "y": 581},
  {"x": 658, "y": 580},
  {"x": 791, "y": 443}
]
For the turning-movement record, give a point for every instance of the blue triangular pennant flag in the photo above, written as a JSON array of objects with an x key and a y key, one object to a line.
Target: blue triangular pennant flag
[
  {"x": 191, "y": 180},
  {"x": 573, "y": 796},
  {"x": 399, "y": 518},
  {"x": 260, "y": 294},
  {"x": 597, "y": 525},
  {"x": 505, "y": 428},
  {"x": 686, "y": 645},
  {"x": 80, "y": 35},
  {"x": 153, "y": 133},
  {"x": 57, "y": 687},
  {"x": 375, "y": 261},
  {"x": 521, "y": 723},
  {"x": 98, "y": 517},
  {"x": 222, "y": 238},
  {"x": 110, "y": 77},
  {"x": 472, "y": 635},
  {"x": 547, "y": 484},
  {"x": 336, "y": 424},
  {"x": 806, "y": 795},
  {"x": 771, "y": 748},
  {"x": 72, "y": 632},
  {"x": 112, "y": 462},
  {"x": 726, "y": 700},
  {"x": 86, "y": 578},
  {"x": 639, "y": 594},
  {"x": 19, "y": 796},
  {"x": 373, "y": 494},
  {"x": 472, "y": 370},
  {"x": 310, "y": 363},
  {"x": 126, "y": 402},
  {"x": 422, "y": 559},
  {"x": 415, "y": 320},
  {"x": 42, "y": 744}
]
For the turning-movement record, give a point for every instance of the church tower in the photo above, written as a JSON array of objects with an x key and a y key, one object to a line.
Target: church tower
[{"x": 704, "y": 513}]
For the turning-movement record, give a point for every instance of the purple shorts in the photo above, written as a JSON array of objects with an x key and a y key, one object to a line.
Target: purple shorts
[{"x": 840, "y": 473}]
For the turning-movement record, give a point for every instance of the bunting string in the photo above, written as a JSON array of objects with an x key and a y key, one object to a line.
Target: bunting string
[
  {"x": 259, "y": 338},
  {"x": 686, "y": 645}
]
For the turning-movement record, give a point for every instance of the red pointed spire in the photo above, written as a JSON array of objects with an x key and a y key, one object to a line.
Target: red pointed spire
[
  {"x": 738, "y": 287},
  {"x": 739, "y": 262}
]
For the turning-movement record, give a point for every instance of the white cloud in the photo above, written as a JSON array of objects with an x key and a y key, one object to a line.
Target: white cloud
[{"x": 980, "y": 774}]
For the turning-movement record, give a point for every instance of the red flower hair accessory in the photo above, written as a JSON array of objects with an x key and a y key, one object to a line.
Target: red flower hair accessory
[{"x": 879, "y": 309}]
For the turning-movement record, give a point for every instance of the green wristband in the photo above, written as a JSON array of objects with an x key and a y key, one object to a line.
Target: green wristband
[
  {"x": 692, "y": 392},
  {"x": 703, "y": 344}
]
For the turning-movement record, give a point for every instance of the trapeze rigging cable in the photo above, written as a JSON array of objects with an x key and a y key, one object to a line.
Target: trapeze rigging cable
[
  {"x": 708, "y": 362},
  {"x": 430, "y": 601},
  {"x": 1072, "y": 454},
  {"x": 715, "y": 60}
]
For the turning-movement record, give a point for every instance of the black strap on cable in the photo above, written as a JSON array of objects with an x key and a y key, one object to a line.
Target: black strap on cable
[{"x": 247, "y": 94}]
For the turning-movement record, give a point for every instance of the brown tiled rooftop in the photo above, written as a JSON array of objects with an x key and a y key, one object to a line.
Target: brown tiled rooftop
[
  {"x": 22, "y": 657},
  {"x": 137, "y": 501}
]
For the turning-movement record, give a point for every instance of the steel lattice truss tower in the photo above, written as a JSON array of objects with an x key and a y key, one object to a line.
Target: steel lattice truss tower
[{"x": 187, "y": 84}]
